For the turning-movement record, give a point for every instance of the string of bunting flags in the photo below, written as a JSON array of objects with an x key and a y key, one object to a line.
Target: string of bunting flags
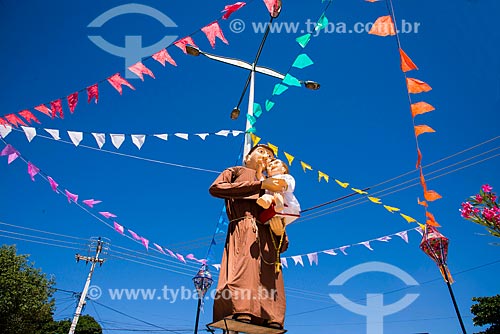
[
  {"x": 326, "y": 177},
  {"x": 313, "y": 256},
  {"x": 302, "y": 60},
  {"x": 55, "y": 108},
  {"x": 116, "y": 139},
  {"x": 108, "y": 218},
  {"x": 385, "y": 26}
]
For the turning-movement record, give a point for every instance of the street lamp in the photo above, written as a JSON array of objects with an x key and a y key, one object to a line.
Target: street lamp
[
  {"x": 202, "y": 282},
  {"x": 252, "y": 67}
]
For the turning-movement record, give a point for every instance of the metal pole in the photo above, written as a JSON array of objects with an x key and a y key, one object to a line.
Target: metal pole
[
  {"x": 248, "y": 139},
  {"x": 197, "y": 316},
  {"x": 453, "y": 299}
]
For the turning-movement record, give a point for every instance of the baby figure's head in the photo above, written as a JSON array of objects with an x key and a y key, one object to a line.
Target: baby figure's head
[{"x": 276, "y": 167}]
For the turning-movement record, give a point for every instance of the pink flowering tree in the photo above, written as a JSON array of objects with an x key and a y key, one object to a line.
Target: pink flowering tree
[{"x": 483, "y": 209}]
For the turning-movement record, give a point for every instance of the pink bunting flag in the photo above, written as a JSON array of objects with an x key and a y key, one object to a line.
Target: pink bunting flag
[
  {"x": 343, "y": 248},
  {"x": 313, "y": 258},
  {"x": 272, "y": 6},
  {"x": 419, "y": 230},
  {"x": 12, "y": 157},
  {"x": 70, "y": 196},
  {"x": 229, "y": 9},
  {"x": 180, "y": 257},
  {"x": 28, "y": 116},
  {"x": 93, "y": 93},
  {"x": 56, "y": 107},
  {"x": 91, "y": 202},
  {"x": 14, "y": 120},
  {"x": 72, "y": 101},
  {"x": 212, "y": 31},
  {"x": 53, "y": 184},
  {"x": 139, "y": 69},
  {"x": 8, "y": 150},
  {"x": 134, "y": 235},
  {"x": 403, "y": 235},
  {"x": 330, "y": 252},
  {"x": 162, "y": 56},
  {"x": 3, "y": 122},
  {"x": 202, "y": 261},
  {"x": 107, "y": 214},
  {"x": 181, "y": 44},
  {"x": 172, "y": 254},
  {"x": 117, "y": 81},
  {"x": 118, "y": 228},
  {"x": 145, "y": 243},
  {"x": 384, "y": 239},
  {"x": 32, "y": 171},
  {"x": 284, "y": 263},
  {"x": 191, "y": 257},
  {"x": 159, "y": 248},
  {"x": 43, "y": 109},
  {"x": 366, "y": 244}
]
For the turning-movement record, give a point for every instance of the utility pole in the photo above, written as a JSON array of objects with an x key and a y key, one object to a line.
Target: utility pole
[{"x": 87, "y": 259}]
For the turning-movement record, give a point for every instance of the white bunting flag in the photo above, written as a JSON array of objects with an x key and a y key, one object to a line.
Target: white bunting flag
[
  {"x": 29, "y": 132},
  {"x": 184, "y": 136},
  {"x": 313, "y": 258},
  {"x": 298, "y": 259},
  {"x": 100, "y": 139},
  {"x": 76, "y": 137},
  {"x": 237, "y": 132},
  {"x": 117, "y": 139},
  {"x": 202, "y": 135},
  {"x": 162, "y": 136},
  {"x": 5, "y": 130},
  {"x": 54, "y": 133},
  {"x": 222, "y": 133},
  {"x": 284, "y": 263},
  {"x": 138, "y": 140}
]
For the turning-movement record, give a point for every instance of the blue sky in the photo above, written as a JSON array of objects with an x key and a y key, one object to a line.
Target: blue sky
[{"x": 357, "y": 128}]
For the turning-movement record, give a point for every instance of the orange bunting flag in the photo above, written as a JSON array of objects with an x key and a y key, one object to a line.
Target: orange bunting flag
[
  {"x": 342, "y": 184},
  {"x": 419, "y": 129},
  {"x": 27, "y": 115},
  {"x": 431, "y": 220},
  {"x": 420, "y": 108},
  {"x": 43, "y": 109},
  {"x": 431, "y": 195},
  {"x": 255, "y": 139},
  {"x": 408, "y": 218},
  {"x": 274, "y": 148},
  {"x": 305, "y": 166},
  {"x": 212, "y": 31},
  {"x": 14, "y": 120},
  {"x": 391, "y": 209},
  {"x": 289, "y": 157},
  {"x": 322, "y": 175},
  {"x": 181, "y": 44},
  {"x": 383, "y": 27},
  {"x": 117, "y": 81},
  {"x": 406, "y": 63},
  {"x": 419, "y": 158},
  {"x": 162, "y": 56},
  {"x": 422, "y": 203},
  {"x": 416, "y": 86},
  {"x": 139, "y": 69},
  {"x": 359, "y": 191},
  {"x": 375, "y": 200}
]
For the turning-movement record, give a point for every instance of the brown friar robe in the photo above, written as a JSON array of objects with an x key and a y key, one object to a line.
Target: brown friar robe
[{"x": 247, "y": 279}]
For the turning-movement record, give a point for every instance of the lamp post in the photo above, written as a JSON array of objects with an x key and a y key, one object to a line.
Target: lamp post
[
  {"x": 202, "y": 282},
  {"x": 253, "y": 68}
]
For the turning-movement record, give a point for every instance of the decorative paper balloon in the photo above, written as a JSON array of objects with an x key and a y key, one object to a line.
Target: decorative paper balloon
[
  {"x": 435, "y": 245},
  {"x": 202, "y": 281}
]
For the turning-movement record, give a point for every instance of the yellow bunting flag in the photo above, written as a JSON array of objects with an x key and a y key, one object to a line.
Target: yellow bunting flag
[
  {"x": 274, "y": 148},
  {"x": 305, "y": 166},
  {"x": 408, "y": 218},
  {"x": 255, "y": 139},
  {"x": 359, "y": 191},
  {"x": 375, "y": 200},
  {"x": 289, "y": 157},
  {"x": 342, "y": 184},
  {"x": 391, "y": 209},
  {"x": 422, "y": 226},
  {"x": 322, "y": 175}
]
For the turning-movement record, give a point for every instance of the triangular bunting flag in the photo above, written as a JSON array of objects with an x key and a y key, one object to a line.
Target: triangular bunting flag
[
  {"x": 43, "y": 109},
  {"x": 138, "y": 140},
  {"x": 223, "y": 133},
  {"x": 229, "y": 9},
  {"x": 159, "y": 248},
  {"x": 70, "y": 196},
  {"x": 375, "y": 200},
  {"x": 54, "y": 133},
  {"x": 305, "y": 166},
  {"x": 56, "y": 107},
  {"x": 139, "y": 69},
  {"x": 28, "y": 116},
  {"x": 302, "y": 61},
  {"x": 53, "y": 184},
  {"x": 313, "y": 258},
  {"x": 416, "y": 86},
  {"x": 322, "y": 23},
  {"x": 5, "y": 130},
  {"x": 391, "y": 209},
  {"x": 118, "y": 228},
  {"x": 403, "y": 235},
  {"x": 117, "y": 81},
  {"x": 359, "y": 191},
  {"x": 257, "y": 110},
  {"x": 72, "y": 101},
  {"x": 342, "y": 184},
  {"x": 100, "y": 139},
  {"x": 162, "y": 56},
  {"x": 269, "y": 105},
  {"x": 29, "y": 132},
  {"x": 91, "y": 202},
  {"x": 32, "y": 171},
  {"x": 298, "y": 259},
  {"x": 117, "y": 139},
  {"x": 322, "y": 175},
  {"x": 202, "y": 135},
  {"x": 343, "y": 248},
  {"x": 181, "y": 44},
  {"x": 366, "y": 244},
  {"x": 420, "y": 108},
  {"x": 289, "y": 157},
  {"x": 162, "y": 136},
  {"x": 279, "y": 89},
  {"x": 184, "y": 136},
  {"x": 290, "y": 80},
  {"x": 303, "y": 40},
  {"x": 284, "y": 262},
  {"x": 431, "y": 195},
  {"x": 274, "y": 148},
  {"x": 419, "y": 129},
  {"x": 406, "y": 63},
  {"x": 212, "y": 31},
  {"x": 76, "y": 137},
  {"x": 383, "y": 26},
  {"x": 14, "y": 120},
  {"x": 93, "y": 93},
  {"x": 255, "y": 139},
  {"x": 408, "y": 218}
]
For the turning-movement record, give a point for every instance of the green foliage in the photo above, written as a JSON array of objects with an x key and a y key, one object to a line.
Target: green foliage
[
  {"x": 26, "y": 302},
  {"x": 487, "y": 312},
  {"x": 86, "y": 325}
]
